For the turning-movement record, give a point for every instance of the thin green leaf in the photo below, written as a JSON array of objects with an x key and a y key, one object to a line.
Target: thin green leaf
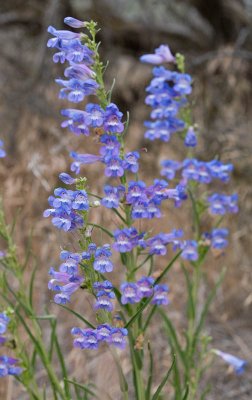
[
  {"x": 78, "y": 316},
  {"x": 210, "y": 298},
  {"x": 31, "y": 286},
  {"x": 185, "y": 396},
  {"x": 172, "y": 335},
  {"x": 191, "y": 307},
  {"x": 63, "y": 366},
  {"x": 83, "y": 387},
  {"x": 46, "y": 317},
  {"x": 102, "y": 228},
  {"x": 165, "y": 379},
  {"x": 149, "y": 383},
  {"x": 148, "y": 319},
  {"x": 167, "y": 268}
]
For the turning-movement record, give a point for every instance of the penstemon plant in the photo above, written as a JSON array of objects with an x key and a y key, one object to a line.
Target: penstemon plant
[{"x": 123, "y": 313}]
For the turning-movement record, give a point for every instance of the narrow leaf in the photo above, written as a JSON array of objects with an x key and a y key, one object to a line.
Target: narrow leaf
[
  {"x": 172, "y": 335},
  {"x": 149, "y": 383},
  {"x": 83, "y": 387},
  {"x": 165, "y": 379},
  {"x": 78, "y": 316}
]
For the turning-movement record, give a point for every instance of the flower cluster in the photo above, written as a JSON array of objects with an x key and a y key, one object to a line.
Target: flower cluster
[
  {"x": 65, "y": 206},
  {"x": 166, "y": 95},
  {"x": 129, "y": 198},
  {"x": 134, "y": 292},
  {"x": 222, "y": 204},
  {"x": 92, "y": 338},
  {"x": 66, "y": 281},
  {"x": 198, "y": 171},
  {"x": 8, "y": 365}
]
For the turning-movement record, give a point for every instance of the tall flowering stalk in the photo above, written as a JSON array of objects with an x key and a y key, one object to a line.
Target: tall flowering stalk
[
  {"x": 123, "y": 313},
  {"x": 131, "y": 199}
]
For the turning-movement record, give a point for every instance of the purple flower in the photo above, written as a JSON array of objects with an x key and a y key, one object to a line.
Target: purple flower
[
  {"x": 136, "y": 192},
  {"x": 110, "y": 146},
  {"x": 8, "y": 366},
  {"x": 130, "y": 162},
  {"x": 169, "y": 168},
  {"x": 104, "y": 294},
  {"x": 157, "y": 244},
  {"x": 126, "y": 239},
  {"x": 64, "y": 35},
  {"x": 162, "y": 55},
  {"x": 114, "y": 167},
  {"x": 182, "y": 83},
  {"x": 95, "y": 115},
  {"x": 113, "y": 195},
  {"x": 71, "y": 262},
  {"x": 190, "y": 250},
  {"x": 102, "y": 261},
  {"x": 145, "y": 286},
  {"x": 85, "y": 338},
  {"x": 160, "y": 295},
  {"x": 73, "y": 22},
  {"x": 80, "y": 200},
  {"x": 118, "y": 337},
  {"x": 221, "y": 204},
  {"x": 219, "y": 238},
  {"x": 219, "y": 170},
  {"x": 64, "y": 283},
  {"x": 236, "y": 363},
  {"x": 103, "y": 332},
  {"x": 4, "y": 320},
  {"x": 66, "y": 178},
  {"x": 112, "y": 119},
  {"x": 190, "y": 138},
  {"x": 130, "y": 293},
  {"x": 2, "y": 152}
]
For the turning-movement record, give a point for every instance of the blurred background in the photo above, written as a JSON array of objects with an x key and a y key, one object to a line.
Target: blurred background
[{"x": 216, "y": 38}]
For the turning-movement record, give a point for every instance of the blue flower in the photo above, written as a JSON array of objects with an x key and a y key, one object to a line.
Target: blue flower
[
  {"x": 65, "y": 283},
  {"x": 95, "y": 115},
  {"x": 112, "y": 119},
  {"x": 103, "y": 332},
  {"x": 2, "y": 152},
  {"x": 113, "y": 195},
  {"x": 85, "y": 338},
  {"x": 102, "y": 262},
  {"x": 130, "y": 293},
  {"x": 66, "y": 178},
  {"x": 130, "y": 162},
  {"x": 236, "y": 363},
  {"x": 4, "y": 321},
  {"x": 162, "y": 55},
  {"x": 114, "y": 167},
  {"x": 8, "y": 366},
  {"x": 220, "y": 204},
  {"x": 118, "y": 337},
  {"x": 136, "y": 192},
  {"x": 73, "y": 22},
  {"x": 126, "y": 239},
  {"x": 160, "y": 295},
  {"x": 145, "y": 286},
  {"x": 190, "y": 250},
  {"x": 219, "y": 238},
  {"x": 71, "y": 262},
  {"x": 169, "y": 168},
  {"x": 190, "y": 138}
]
